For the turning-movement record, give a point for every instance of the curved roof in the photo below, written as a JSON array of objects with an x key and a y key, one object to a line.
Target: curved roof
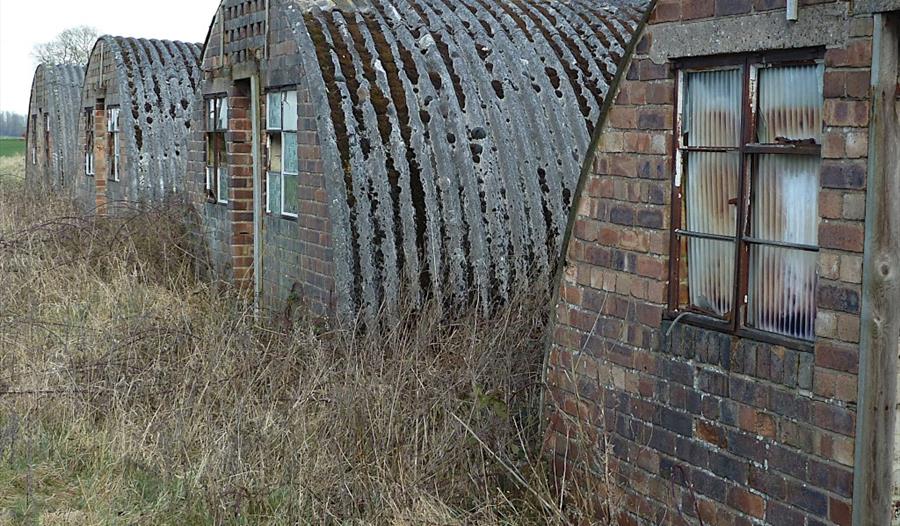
[
  {"x": 452, "y": 133},
  {"x": 456, "y": 135},
  {"x": 154, "y": 82},
  {"x": 56, "y": 91}
]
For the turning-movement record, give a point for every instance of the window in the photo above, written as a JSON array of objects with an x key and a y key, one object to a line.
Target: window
[
  {"x": 745, "y": 215},
  {"x": 216, "y": 153},
  {"x": 89, "y": 141},
  {"x": 34, "y": 139},
  {"x": 47, "y": 138},
  {"x": 112, "y": 128},
  {"x": 281, "y": 145}
]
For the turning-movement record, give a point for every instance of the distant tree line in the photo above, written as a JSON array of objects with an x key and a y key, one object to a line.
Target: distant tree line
[{"x": 12, "y": 124}]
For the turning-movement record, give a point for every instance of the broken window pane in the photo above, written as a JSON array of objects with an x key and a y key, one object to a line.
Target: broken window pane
[
  {"x": 712, "y": 109},
  {"x": 790, "y": 104},
  {"x": 275, "y": 163},
  {"x": 273, "y": 110},
  {"x": 783, "y": 280}
]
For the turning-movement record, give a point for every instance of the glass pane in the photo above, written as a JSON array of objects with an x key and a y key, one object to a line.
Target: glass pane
[
  {"x": 711, "y": 192},
  {"x": 273, "y": 110},
  {"x": 710, "y": 276},
  {"x": 712, "y": 110},
  {"x": 112, "y": 120},
  {"x": 785, "y": 199},
  {"x": 290, "y": 111},
  {"x": 289, "y": 149},
  {"x": 211, "y": 114},
  {"x": 274, "y": 192},
  {"x": 782, "y": 291},
  {"x": 790, "y": 104},
  {"x": 291, "y": 202},
  {"x": 223, "y": 184},
  {"x": 223, "y": 113},
  {"x": 209, "y": 177}
]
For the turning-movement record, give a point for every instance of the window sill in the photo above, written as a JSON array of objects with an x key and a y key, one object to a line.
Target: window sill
[
  {"x": 291, "y": 218},
  {"x": 747, "y": 333}
]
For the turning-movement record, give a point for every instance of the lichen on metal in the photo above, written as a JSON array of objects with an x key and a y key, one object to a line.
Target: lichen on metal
[
  {"x": 452, "y": 135},
  {"x": 440, "y": 142},
  {"x": 53, "y": 114},
  {"x": 154, "y": 85}
]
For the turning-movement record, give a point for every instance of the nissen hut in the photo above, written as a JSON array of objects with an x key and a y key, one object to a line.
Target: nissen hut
[
  {"x": 52, "y": 156},
  {"x": 137, "y": 110},
  {"x": 354, "y": 153}
]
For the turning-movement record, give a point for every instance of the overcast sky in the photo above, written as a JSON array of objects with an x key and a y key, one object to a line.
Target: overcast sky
[{"x": 24, "y": 23}]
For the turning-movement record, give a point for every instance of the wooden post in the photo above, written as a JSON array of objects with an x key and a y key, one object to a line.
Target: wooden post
[{"x": 880, "y": 326}]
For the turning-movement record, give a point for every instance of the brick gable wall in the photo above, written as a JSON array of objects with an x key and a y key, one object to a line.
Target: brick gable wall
[{"x": 743, "y": 432}]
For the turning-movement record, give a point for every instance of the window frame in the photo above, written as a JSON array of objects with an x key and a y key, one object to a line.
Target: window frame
[
  {"x": 34, "y": 139},
  {"x": 113, "y": 131},
  {"x": 89, "y": 168},
  {"x": 214, "y": 179},
  {"x": 47, "y": 138},
  {"x": 749, "y": 151},
  {"x": 281, "y": 131}
]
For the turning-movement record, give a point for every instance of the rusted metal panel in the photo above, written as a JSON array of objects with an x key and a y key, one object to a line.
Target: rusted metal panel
[
  {"x": 53, "y": 156},
  {"x": 153, "y": 84}
]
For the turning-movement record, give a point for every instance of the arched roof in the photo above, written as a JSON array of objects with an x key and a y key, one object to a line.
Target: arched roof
[
  {"x": 154, "y": 82},
  {"x": 452, "y": 132},
  {"x": 56, "y": 91}
]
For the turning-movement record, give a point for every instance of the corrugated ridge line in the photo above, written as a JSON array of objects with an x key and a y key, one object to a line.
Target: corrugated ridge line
[{"x": 425, "y": 37}]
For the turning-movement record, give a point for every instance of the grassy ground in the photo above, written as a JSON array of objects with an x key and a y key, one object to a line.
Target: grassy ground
[
  {"x": 134, "y": 392},
  {"x": 10, "y": 147}
]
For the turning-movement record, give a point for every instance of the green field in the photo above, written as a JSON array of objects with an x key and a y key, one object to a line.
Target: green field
[{"x": 10, "y": 147}]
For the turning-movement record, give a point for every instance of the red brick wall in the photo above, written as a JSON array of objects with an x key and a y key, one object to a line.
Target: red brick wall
[
  {"x": 239, "y": 141},
  {"x": 743, "y": 431}
]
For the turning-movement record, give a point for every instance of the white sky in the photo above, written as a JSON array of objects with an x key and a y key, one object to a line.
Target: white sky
[{"x": 24, "y": 23}]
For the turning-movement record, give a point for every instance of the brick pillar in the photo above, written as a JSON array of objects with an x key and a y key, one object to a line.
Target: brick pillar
[
  {"x": 240, "y": 191},
  {"x": 100, "y": 157}
]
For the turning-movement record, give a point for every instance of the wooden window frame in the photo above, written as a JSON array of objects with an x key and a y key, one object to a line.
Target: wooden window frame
[
  {"x": 213, "y": 172},
  {"x": 47, "y": 139},
  {"x": 34, "y": 139},
  {"x": 734, "y": 322},
  {"x": 280, "y": 131},
  {"x": 89, "y": 142},
  {"x": 113, "y": 130}
]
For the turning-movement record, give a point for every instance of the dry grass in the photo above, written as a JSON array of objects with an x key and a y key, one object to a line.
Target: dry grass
[{"x": 132, "y": 392}]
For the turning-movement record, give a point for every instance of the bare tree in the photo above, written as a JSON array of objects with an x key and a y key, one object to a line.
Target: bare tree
[{"x": 72, "y": 46}]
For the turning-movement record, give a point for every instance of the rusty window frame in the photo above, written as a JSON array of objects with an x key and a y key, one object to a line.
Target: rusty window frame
[
  {"x": 749, "y": 150},
  {"x": 215, "y": 120}
]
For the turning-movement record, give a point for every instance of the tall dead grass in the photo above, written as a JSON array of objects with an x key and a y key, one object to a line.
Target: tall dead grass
[{"x": 133, "y": 392}]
